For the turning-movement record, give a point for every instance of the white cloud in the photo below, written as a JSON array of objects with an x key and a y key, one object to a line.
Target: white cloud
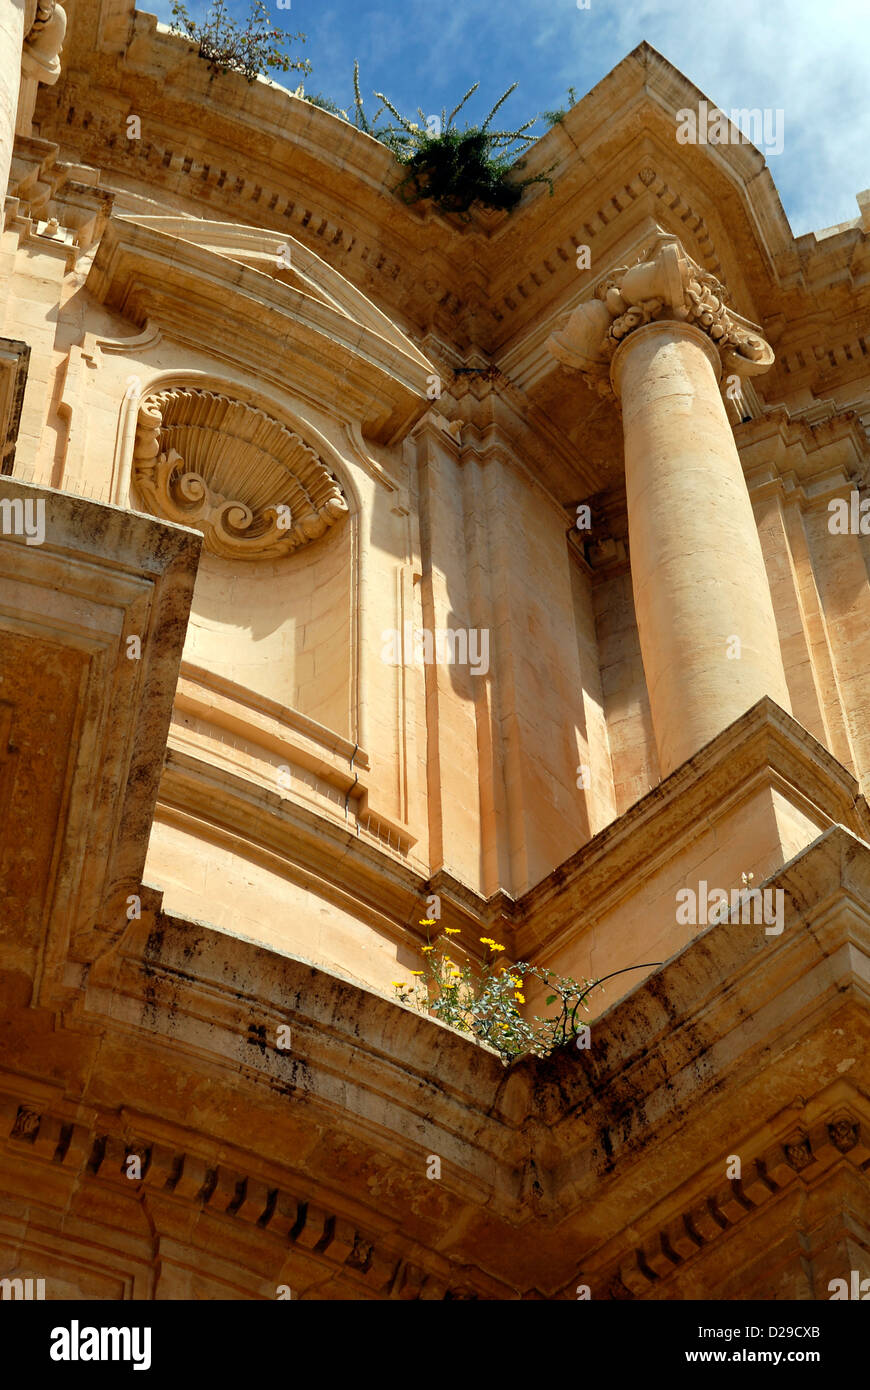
[{"x": 811, "y": 59}]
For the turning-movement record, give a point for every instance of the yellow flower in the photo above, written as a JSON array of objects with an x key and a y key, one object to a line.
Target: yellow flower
[
  {"x": 456, "y": 972},
  {"x": 427, "y": 948},
  {"x": 399, "y": 984},
  {"x": 517, "y": 983},
  {"x": 494, "y": 946},
  {"x": 452, "y": 931},
  {"x": 427, "y": 921},
  {"x": 521, "y": 999}
]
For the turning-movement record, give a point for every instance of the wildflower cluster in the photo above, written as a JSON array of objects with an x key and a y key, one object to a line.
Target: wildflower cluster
[
  {"x": 451, "y": 167},
  {"x": 483, "y": 999}
]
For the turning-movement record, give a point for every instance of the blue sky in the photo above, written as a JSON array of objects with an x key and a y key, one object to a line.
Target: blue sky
[{"x": 808, "y": 58}]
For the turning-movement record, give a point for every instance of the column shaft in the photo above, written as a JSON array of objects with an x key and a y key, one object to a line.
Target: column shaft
[
  {"x": 705, "y": 617},
  {"x": 11, "y": 41}
]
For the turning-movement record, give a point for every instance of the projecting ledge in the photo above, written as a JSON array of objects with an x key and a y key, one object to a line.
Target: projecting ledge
[
  {"x": 751, "y": 799},
  {"x": 94, "y": 610}
]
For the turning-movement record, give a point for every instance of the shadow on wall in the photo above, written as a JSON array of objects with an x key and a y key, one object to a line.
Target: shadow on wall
[{"x": 281, "y": 628}]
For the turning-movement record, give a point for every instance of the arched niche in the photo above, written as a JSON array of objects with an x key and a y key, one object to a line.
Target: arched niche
[{"x": 273, "y": 608}]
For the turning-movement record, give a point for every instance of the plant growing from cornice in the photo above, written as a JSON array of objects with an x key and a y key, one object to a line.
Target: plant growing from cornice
[
  {"x": 554, "y": 117},
  {"x": 452, "y": 167},
  {"x": 484, "y": 1001},
  {"x": 251, "y": 47},
  {"x": 325, "y": 103}
]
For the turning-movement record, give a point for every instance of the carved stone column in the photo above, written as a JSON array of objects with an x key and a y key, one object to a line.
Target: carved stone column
[
  {"x": 40, "y": 59},
  {"x": 13, "y": 17},
  {"x": 704, "y": 613},
  {"x": 31, "y": 37}
]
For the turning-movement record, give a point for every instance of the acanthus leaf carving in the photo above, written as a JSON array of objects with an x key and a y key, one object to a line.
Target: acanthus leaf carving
[
  {"x": 665, "y": 283},
  {"x": 43, "y": 43}
]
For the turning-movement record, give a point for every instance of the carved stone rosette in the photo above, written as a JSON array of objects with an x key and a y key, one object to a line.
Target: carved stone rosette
[
  {"x": 664, "y": 284},
  {"x": 252, "y": 486}
]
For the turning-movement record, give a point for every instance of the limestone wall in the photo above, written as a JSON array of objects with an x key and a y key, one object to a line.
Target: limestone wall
[{"x": 132, "y": 264}]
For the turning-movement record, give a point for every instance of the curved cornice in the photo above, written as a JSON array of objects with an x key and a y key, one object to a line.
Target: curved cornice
[
  {"x": 497, "y": 284},
  {"x": 635, "y": 96},
  {"x": 340, "y": 1124},
  {"x": 262, "y": 141}
]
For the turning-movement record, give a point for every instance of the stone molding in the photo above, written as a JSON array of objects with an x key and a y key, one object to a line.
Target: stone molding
[
  {"x": 331, "y": 774},
  {"x": 838, "y": 1134},
  {"x": 51, "y": 203},
  {"x": 664, "y": 285},
  {"x": 198, "y": 993},
  {"x": 128, "y": 577},
  {"x": 227, "y": 468},
  {"x": 98, "y": 1151},
  {"x": 765, "y": 746}
]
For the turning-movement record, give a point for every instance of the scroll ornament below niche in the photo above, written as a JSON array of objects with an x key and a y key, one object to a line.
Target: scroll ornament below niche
[{"x": 254, "y": 488}]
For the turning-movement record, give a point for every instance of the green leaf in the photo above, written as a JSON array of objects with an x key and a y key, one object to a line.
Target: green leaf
[{"x": 551, "y": 999}]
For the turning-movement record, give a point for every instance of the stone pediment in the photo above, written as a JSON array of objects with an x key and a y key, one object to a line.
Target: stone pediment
[
  {"x": 304, "y": 322},
  {"x": 287, "y": 260}
]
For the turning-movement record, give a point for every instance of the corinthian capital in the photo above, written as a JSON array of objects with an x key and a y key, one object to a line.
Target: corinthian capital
[
  {"x": 664, "y": 284},
  {"x": 40, "y": 57}
]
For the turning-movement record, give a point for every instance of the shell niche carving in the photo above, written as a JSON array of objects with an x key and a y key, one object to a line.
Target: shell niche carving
[{"x": 252, "y": 486}]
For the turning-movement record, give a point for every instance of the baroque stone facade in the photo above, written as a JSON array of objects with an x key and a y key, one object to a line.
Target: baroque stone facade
[{"x": 257, "y": 417}]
